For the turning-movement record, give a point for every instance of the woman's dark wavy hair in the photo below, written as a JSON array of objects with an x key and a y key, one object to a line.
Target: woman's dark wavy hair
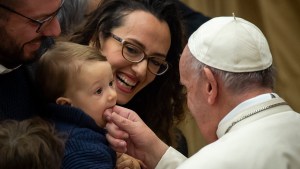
[{"x": 160, "y": 104}]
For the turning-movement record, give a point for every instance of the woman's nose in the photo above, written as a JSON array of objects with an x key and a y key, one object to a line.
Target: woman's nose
[{"x": 141, "y": 67}]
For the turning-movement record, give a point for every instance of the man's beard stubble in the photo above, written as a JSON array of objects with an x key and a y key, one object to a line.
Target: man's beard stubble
[{"x": 12, "y": 55}]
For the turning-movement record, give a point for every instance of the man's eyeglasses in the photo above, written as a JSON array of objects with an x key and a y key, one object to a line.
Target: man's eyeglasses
[
  {"x": 41, "y": 23},
  {"x": 156, "y": 65}
]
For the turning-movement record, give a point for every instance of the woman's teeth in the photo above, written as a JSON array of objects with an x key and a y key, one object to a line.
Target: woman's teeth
[{"x": 126, "y": 80}]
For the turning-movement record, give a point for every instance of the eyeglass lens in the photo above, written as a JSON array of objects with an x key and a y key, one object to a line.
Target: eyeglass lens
[
  {"x": 132, "y": 53},
  {"x": 46, "y": 22}
]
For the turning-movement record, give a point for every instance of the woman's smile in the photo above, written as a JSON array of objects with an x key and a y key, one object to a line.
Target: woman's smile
[{"x": 125, "y": 83}]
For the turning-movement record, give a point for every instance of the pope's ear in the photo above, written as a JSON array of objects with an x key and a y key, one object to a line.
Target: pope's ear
[
  {"x": 212, "y": 85},
  {"x": 63, "y": 101}
]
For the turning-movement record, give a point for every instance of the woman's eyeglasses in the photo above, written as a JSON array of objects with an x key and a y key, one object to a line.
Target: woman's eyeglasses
[{"x": 156, "y": 64}]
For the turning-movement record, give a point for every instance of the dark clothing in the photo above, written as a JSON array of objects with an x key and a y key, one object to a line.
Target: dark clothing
[
  {"x": 191, "y": 18},
  {"x": 86, "y": 145},
  {"x": 18, "y": 97},
  {"x": 182, "y": 145}
]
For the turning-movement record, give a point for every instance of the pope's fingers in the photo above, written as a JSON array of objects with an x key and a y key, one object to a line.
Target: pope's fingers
[
  {"x": 126, "y": 113},
  {"x": 106, "y": 115},
  {"x": 115, "y": 131},
  {"x": 122, "y": 123},
  {"x": 117, "y": 144}
]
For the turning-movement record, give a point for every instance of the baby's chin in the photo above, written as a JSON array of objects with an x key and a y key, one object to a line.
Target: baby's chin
[{"x": 101, "y": 124}]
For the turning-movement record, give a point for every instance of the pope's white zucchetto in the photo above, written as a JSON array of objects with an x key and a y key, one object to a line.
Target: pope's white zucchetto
[{"x": 231, "y": 44}]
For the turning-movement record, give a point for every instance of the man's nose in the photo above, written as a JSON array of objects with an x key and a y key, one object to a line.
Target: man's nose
[{"x": 52, "y": 29}]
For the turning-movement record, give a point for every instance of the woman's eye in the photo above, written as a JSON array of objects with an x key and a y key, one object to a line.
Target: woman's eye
[
  {"x": 99, "y": 91},
  {"x": 155, "y": 62},
  {"x": 132, "y": 50}
]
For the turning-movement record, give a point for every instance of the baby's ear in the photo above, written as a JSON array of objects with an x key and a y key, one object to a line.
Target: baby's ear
[{"x": 63, "y": 101}]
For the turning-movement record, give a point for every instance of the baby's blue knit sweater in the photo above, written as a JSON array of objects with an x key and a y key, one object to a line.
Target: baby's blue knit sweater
[{"x": 86, "y": 145}]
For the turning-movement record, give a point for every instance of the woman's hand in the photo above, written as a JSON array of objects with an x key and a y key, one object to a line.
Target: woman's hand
[{"x": 125, "y": 161}]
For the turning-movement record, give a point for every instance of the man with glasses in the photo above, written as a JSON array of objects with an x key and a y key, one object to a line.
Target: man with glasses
[{"x": 26, "y": 26}]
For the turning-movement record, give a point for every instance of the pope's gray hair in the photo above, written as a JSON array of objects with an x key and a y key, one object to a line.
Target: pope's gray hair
[{"x": 235, "y": 82}]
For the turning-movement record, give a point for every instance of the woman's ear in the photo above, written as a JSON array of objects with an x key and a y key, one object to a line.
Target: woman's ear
[
  {"x": 211, "y": 85},
  {"x": 63, "y": 101}
]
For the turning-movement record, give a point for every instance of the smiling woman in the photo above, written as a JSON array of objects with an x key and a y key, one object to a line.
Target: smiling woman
[{"x": 152, "y": 30}]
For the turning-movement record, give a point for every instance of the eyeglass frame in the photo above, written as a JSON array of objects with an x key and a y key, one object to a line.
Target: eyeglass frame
[
  {"x": 123, "y": 42},
  {"x": 40, "y": 23}
]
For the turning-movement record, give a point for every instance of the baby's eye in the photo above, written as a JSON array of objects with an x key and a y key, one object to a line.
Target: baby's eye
[{"x": 99, "y": 91}]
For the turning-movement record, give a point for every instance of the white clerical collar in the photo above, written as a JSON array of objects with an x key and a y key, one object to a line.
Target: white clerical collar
[
  {"x": 4, "y": 70},
  {"x": 248, "y": 103}
]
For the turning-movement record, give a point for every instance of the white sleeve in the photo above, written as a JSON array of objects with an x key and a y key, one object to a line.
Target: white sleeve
[{"x": 171, "y": 159}]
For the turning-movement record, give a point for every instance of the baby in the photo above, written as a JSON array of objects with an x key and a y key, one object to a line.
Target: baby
[{"x": 77, "y": 83}]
